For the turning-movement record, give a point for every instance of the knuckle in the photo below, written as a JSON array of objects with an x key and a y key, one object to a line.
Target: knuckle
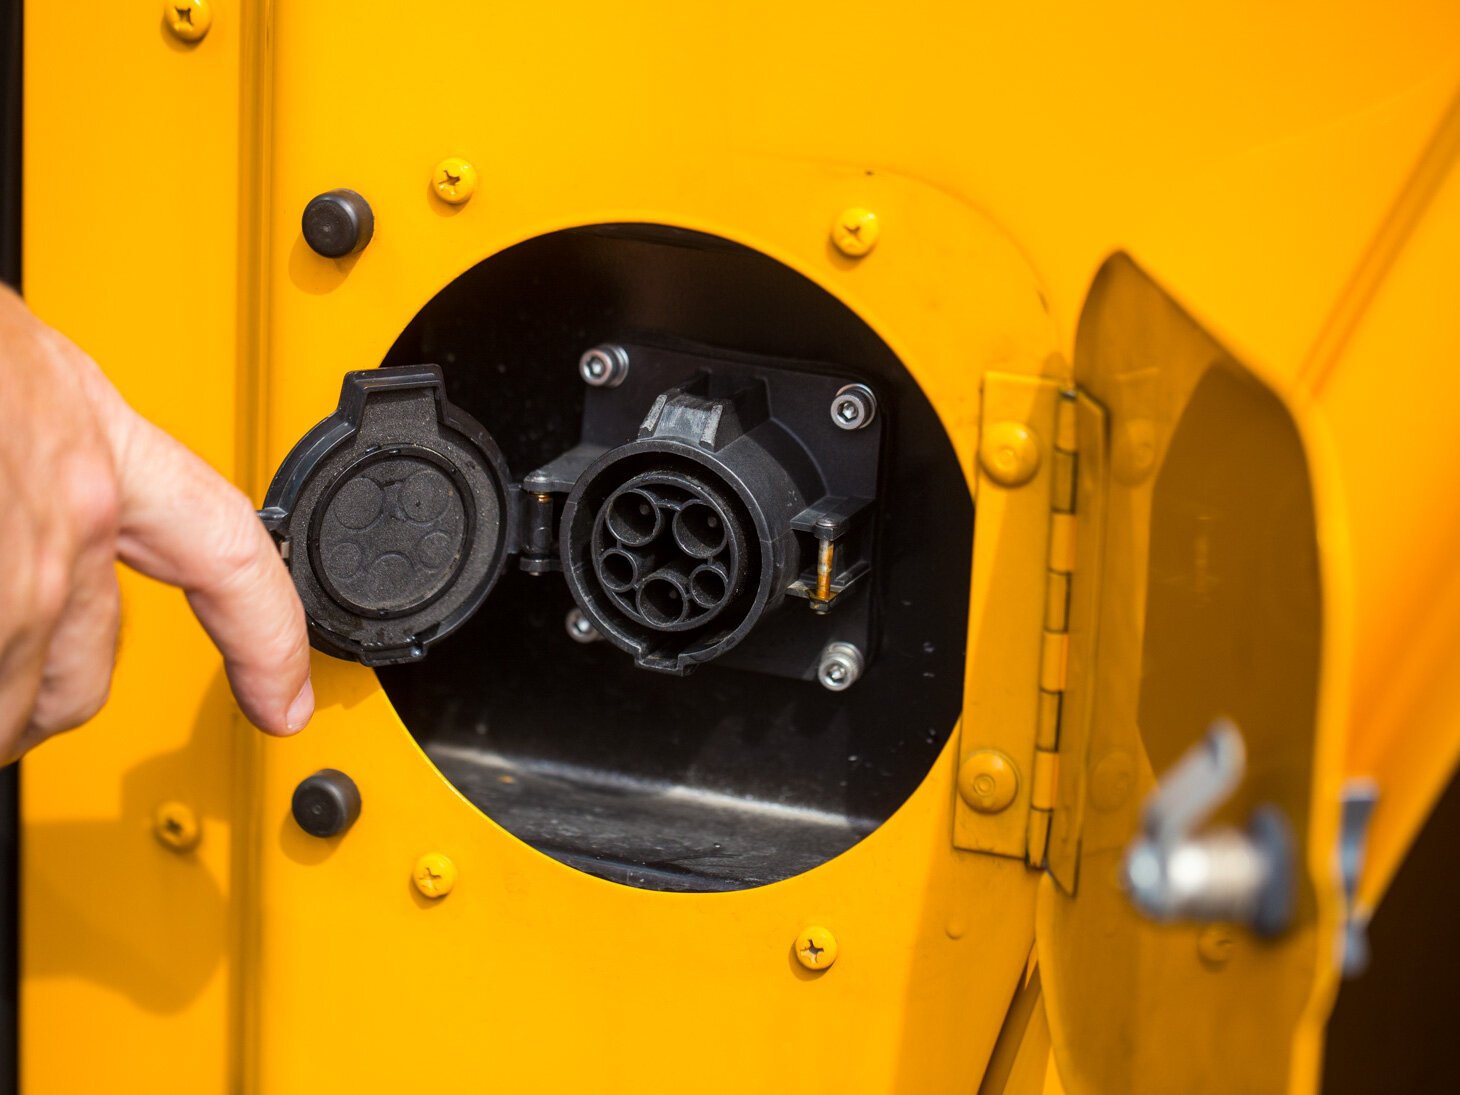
[
  {"x": 87, "y": 704},
  {"x": 50, "y": 585},
  {"x": 92, "y": 498},
  {"x": 56, "y": 712},
  {"x": 77, "y": 679}
]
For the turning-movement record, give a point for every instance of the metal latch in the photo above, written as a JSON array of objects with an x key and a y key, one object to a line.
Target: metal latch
[
  {"x": 1360, "y": 796},
  {"x": 1225, "y": 874}
]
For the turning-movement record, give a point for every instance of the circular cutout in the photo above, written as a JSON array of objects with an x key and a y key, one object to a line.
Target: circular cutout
[
  {"x": 699, "y": 530},
  {"x": 634, "y": 518},
  {"x": 618, "y": 570},
  {"x": 425, "y": 495},
  {"x": 664, "y": 599},
  {"x": 707, "y": 585},
  {"x": 357, "y": 503},
  {"x": 572, "y": 747}
]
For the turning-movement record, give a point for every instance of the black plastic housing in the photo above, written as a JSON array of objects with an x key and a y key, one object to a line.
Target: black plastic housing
[
  {"x": 696, "y": 504},
  {"x": 395, "y": 514}
]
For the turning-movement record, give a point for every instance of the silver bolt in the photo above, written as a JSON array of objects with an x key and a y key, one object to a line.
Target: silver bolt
[
  {"x": 604, "y": 366},
  {"x": 853, "y": 407},
  {"x": 840, "y": 666},
  {"x": 580, "y": 628}
]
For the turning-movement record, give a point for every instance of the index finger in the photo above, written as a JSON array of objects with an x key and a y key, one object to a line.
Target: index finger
[{"x": 184, "y": 524}]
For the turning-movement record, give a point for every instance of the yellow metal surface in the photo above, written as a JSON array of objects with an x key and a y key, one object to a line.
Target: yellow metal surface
[
  {"x": 1388, "y": 441},
  {"x": 637, "y": 948},
  {"x": 1307, "y": 213},
  {"x": 149, "y": 953},
  {"x": 1212, "y": 601},
  {"x": 1022, "y": 1061}
]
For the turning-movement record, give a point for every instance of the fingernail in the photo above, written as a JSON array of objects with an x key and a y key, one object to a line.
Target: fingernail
[{"x": 302, "y": 707}]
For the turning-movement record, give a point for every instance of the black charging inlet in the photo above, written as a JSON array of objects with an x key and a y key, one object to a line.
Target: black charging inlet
[
  {"x": 707, "y": 494},
  {"x": 395, "y": 514}
]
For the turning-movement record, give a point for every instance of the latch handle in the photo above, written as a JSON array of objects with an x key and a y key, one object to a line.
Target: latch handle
[
  {"x": 1196, "y": 785},
  {"x": 1173, "y": 873}
]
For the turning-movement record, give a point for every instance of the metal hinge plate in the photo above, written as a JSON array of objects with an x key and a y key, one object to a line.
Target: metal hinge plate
[{"x": 1026, "y": 614}]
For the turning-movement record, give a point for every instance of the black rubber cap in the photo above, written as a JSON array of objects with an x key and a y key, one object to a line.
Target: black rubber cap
[
  {"x": 327, "y": 803},
  {"x": 399, "y": 515},
  {"x": 338, "y": 223}
]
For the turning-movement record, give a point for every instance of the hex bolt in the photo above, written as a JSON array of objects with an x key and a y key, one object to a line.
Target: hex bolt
[
  {"x": 434, "y": 875},
  {"x": 580, "y": 629},
  {"x": 189, "y": 20},
  {"x": 604, "y": 366},
  {"x": 337, "y": 223},
  {"x": 175, "y": 824},
  {"x": 853, "y": 407},
  {"x": 326, "y": 804},
  {"x": 854, "y": 232},
  {"x": 840, "y": 666},
  {"x": 816, "y": 948},
  {"x": 454, "y": 181}
]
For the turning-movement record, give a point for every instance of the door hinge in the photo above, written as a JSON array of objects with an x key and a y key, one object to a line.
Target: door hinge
[
  {"x": 1024, "y": 562},
  {"x": 1055, "y": 645}
]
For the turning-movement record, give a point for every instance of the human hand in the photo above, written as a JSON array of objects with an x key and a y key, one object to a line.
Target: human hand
[{"x": 86, "y": 481}]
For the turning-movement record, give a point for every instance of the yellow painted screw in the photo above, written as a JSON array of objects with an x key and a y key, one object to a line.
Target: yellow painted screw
[
  {"x": 1113, "y": 781},
  {"x": 1009, "y": 453},
  {"x": 816, "y": 948},
  {"x": 855, "y": 231},
  {"x": 454, "y": 181},
  {"x": 1214, "y": 945},
  {"x": 188, "y": 19},
  {"x": 988, "y": 781},
  {"x": 176, "y": 826},
  {"x": 435, "y": 875},
  {"x": 1133, "y": 451}
]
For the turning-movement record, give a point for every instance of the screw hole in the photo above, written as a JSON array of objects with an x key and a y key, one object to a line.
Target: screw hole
[{"x": 617, "y": 570}]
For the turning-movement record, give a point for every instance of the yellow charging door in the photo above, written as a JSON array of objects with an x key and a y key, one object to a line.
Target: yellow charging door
[{"x": 1199, "y": 594}]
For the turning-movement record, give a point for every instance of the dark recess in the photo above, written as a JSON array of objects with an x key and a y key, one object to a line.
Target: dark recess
[
  {"x": 723, "y": 779},
  {"x": 1393, "y": 1028}
]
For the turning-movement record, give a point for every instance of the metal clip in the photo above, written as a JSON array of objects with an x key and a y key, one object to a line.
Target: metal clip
[
  {"x": 1360, "y": 796},
  {"x": 1223, "y": 875}
]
